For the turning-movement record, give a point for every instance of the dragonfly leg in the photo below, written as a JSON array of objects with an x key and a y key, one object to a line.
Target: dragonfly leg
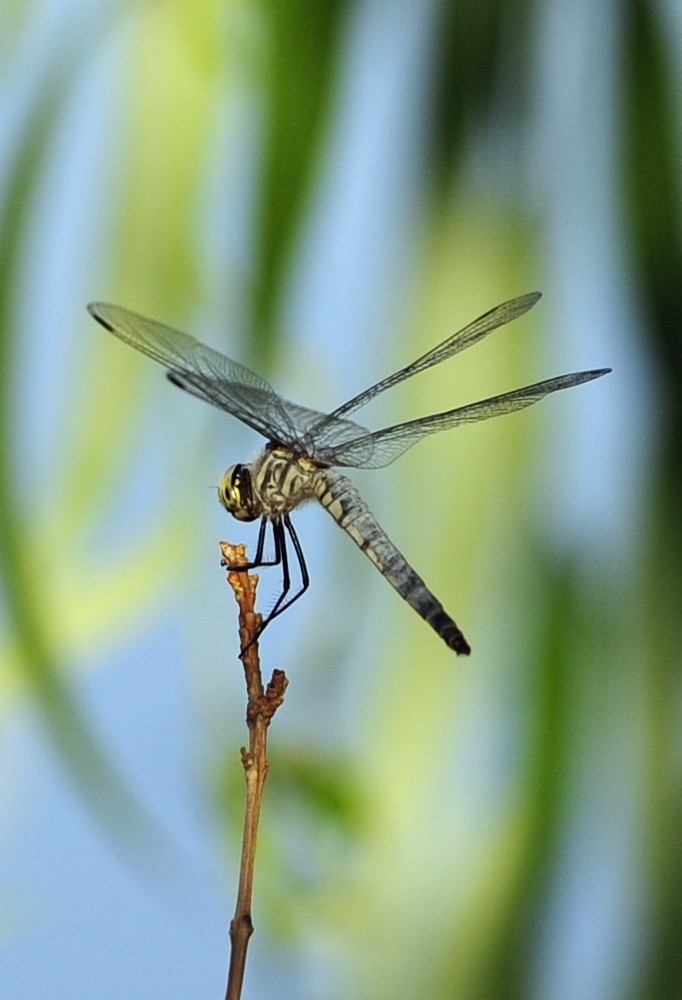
[
  {"x": 305, "y": 578},
  {"x": 281, "y": 555},
  {"x": 258, "y": 560},
  {"x": 281, "y": 604}
]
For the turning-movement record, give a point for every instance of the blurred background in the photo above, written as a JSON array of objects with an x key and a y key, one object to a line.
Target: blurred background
[{"x": 324, "y": 189}]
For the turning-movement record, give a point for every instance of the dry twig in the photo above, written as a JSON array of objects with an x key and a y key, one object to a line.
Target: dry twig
[{"x": 262, "y": 703}]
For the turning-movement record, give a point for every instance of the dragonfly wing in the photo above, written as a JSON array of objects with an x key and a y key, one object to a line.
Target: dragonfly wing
[
  {"x": 300, "y": 419},
  {"x": 207, "y": 374},
  {"x": 382, "y": 447},
  {"x": 337, "y": 494},
  {"x": 457, "y": 342},
  {"x": 326, "y": 439},
  {"x": 265, "y": 412}
]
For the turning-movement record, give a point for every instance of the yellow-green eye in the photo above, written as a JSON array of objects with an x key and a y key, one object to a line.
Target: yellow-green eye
[{"x": 235, "y": 493}]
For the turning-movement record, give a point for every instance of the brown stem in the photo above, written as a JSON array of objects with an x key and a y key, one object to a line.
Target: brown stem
[{"x": 261, "y": 706}]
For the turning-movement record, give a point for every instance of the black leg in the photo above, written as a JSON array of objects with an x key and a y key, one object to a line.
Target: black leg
[
  {"x": 305, "y": 579},
  {"x": 258, "y": 560},
  {"x": 281, "y": 555},
  {"x": 281, "y": 550},
  {"x": 280, "y": 604},
  {"x": 286, "y": 578}
]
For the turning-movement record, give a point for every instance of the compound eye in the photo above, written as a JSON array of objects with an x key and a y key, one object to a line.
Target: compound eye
[
  {"x": 229, "y": 489},
  {"x": 235, "y": 493}
]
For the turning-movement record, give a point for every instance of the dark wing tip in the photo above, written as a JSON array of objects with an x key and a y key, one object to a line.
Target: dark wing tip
[
  {"x": 93, "y": 308},
  {"x": 526, "y": 302},
  {"x": 596, "y": 373},
  {"x": 518, "y": 306},
  {"x": 577, "y": 378}
]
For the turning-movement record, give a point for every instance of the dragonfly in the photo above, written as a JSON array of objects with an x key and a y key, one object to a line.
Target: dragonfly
[{"x": 305, "y": 447}]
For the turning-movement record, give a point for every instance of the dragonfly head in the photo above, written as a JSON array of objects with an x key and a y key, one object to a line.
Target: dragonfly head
[{"x": 236, "y": 494}]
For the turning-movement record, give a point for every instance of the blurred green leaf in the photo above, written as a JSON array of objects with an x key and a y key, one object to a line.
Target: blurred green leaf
[
  {"x": 314, "y": 811},
  {"x": 482, "y": 58},
  {"x": 653, "y": 189},
  {"x": 108, "y": 796},
  {"x": 302, "y": 64}
]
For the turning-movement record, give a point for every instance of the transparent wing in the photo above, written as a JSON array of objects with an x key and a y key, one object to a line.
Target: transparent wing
[
  {"x": 299, "y": 419},
  {"x": 212, "y": 376},
  {"x": 459, "y": 341},
  {"x": 373, "y": 451}
]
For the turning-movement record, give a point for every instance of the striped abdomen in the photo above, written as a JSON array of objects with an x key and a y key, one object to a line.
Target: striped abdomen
[{"x": 344, "y": 503}]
